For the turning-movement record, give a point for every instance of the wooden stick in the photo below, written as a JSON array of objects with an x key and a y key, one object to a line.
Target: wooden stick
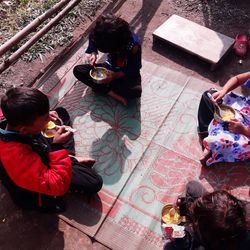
[
  {"x": 31, "y": 27},
  {"x": 37, "y": 36}
]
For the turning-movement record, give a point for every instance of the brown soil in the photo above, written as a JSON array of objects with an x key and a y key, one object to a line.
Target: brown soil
[
  {"x": 144, "y": 16},
  {"x": 24, "y": 73},
  {"x": 228, "y": 17}
]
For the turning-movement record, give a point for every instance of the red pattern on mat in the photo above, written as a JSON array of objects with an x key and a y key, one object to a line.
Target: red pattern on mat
[
  {"x": 164, "y": 172},
  {"x": 142, "y": 231}
]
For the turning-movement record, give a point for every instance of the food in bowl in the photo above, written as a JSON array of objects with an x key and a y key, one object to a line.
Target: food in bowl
[
  {"x": 171, "y": 214},
  {"x": 227, "y": 114},
  {"x": 98, "y": 74},
  {"x": 51, "y": 125},
  {"x": 50, "y": 130}
]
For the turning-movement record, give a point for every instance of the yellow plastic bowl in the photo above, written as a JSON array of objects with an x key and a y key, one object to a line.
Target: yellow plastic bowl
[
  {"x": 49, "y": 131},
  {"x": 51, "y": 125},
  {"x": 167, "y": 218},
  {"x": 224, "y": 107}
]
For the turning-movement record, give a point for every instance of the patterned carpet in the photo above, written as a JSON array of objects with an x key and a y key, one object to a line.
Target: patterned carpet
[{"x": 145, "y": 152}]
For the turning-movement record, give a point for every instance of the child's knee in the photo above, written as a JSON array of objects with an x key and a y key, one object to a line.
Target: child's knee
[
  {"x": 98, "y": 184},
  {"x": 137, "y": 91},
  {"x": 134, "y": 92},
  {"x": 80, "y": 70},
  {"x": 76, "y": 71},
  {"x": 63, "y": 114},
  {"x": 205, "y": 95}
]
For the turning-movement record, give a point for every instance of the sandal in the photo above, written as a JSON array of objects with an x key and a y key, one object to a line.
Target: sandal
[{"x": 240, "y": 45}]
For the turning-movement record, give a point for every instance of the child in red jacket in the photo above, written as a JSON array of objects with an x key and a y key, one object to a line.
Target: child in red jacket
[{"x": 35, "y": 170}]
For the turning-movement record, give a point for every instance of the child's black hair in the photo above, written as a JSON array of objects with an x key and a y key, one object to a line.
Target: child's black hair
[
  {"x": 111, "y": 34},
  {"x": 219, "y": 217},
  {"x": 21, "y": 105}
]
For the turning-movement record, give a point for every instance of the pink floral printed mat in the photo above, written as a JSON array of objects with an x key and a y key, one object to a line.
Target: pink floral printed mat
[{"x": 145, "y": 152}]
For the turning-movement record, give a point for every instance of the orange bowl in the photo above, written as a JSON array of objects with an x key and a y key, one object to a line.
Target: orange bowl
[{"x": 170, "y": 214}]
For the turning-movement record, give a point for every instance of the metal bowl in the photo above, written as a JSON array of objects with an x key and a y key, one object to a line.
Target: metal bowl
[
  {"x": 50, "y": 130},
  {"x": 224, "y": 107},
  {"x": 165, "y": 214},
  {"x": 98, "y": 74}
]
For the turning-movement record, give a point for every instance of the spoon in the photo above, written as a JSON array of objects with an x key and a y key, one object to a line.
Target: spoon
[
  {"x": 67, "y": 128},
  {"x": 221, "y": 111},
  {"x": 172, "y": 212}
]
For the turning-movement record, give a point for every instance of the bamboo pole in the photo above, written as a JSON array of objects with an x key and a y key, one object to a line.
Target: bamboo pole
[
  {"x": 37, "y": 36},
  {"x": 32, "y": 26}
]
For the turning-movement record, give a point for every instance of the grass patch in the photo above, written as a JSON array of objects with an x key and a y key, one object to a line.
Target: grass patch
[{"x": 15, "y": 15}]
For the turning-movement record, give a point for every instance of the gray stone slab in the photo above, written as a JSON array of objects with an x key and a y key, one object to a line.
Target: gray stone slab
[{"x": 196, "y": 39}]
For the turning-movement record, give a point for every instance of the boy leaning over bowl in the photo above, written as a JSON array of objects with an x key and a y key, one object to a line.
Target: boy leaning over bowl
[
  {"x": 35, "y": 170},
  {"x": 112, "y": 35}
]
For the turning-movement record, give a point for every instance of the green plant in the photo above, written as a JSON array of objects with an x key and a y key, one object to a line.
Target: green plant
[
  {"x": 49, "y": 3},
  {"x": 24, "y": 2}
]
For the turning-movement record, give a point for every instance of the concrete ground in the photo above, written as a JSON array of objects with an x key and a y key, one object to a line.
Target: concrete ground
[{"x": 30, "y": 230}]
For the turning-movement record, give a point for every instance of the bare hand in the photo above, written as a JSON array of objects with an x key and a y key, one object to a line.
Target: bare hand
[
  {"x": 53, "y": 116},
  {"x": 62, "y": 135},
  {"x": 235, "y": 126},
  {"x": 111, "y": 76},
  {"x": 218, "y": 95},
  {"x": 92, "y": 59}
]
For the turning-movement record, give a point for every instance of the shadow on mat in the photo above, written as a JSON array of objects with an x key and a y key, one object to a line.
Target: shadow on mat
[
  {"x": 227, "y": 176},
  {"x": 114, "y": 147},
  {"x": 108, "y": 133}
]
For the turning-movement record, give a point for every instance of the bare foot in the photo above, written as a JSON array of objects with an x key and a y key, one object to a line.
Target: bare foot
[
  {"x": 118, "y": 98},
  {"x": 205, "y": 157}
]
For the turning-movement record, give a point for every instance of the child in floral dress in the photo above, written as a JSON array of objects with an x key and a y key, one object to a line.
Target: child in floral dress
[{"x": 226, "y": 141}]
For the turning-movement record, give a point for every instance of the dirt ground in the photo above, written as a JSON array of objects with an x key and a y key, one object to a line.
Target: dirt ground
[
  {"x": 25, "y": 73},
  {"x": 228, "y": 17},
  {"x": 225, "y": 17}
]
